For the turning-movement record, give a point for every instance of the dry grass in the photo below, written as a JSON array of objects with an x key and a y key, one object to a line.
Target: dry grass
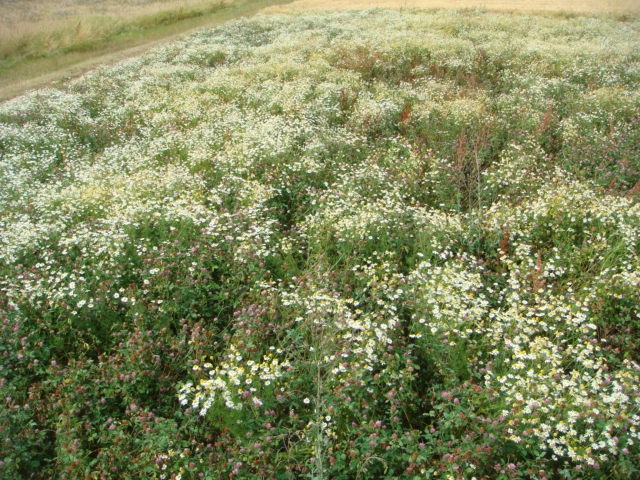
[
  {"x": 40, "y": 28},
  {"x": 578, "y": 6}
]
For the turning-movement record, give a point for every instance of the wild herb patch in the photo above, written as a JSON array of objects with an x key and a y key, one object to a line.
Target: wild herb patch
[{"x": 379, "y": 244}]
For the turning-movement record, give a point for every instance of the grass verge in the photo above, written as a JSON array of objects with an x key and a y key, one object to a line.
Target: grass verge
[{"x": 86, "y": 29}]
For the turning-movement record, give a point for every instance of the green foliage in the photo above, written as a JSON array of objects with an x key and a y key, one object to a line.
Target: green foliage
[{"x": 365, "y": 245}]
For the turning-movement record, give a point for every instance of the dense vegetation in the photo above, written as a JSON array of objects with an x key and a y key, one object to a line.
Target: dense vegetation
[{"x": 366, "y": 245}]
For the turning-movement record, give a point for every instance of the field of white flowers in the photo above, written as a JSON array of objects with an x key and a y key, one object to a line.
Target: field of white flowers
[{"x": 356, "y": 245}]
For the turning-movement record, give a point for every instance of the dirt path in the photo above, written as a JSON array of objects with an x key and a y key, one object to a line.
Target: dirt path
[{"x": 56, "y": 70}]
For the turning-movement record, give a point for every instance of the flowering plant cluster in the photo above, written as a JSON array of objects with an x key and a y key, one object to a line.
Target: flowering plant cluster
[{"x": 377, "y": 244}]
